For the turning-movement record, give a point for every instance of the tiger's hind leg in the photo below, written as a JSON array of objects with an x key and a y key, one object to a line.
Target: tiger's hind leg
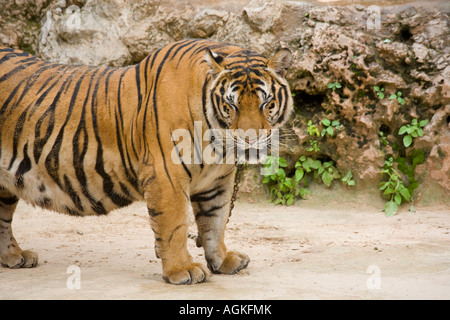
[{"x": 11, "y": 256}]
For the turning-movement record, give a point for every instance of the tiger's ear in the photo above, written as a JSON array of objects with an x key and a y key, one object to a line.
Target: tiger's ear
[
  {"x": 213, "y": 60},
  {"x": 280, "y": 61}
]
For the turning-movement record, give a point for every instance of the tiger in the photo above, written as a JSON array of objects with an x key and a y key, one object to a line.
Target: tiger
[{"x": 86, "y": 140}]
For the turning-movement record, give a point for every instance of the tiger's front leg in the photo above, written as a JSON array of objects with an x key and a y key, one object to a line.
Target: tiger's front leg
[
  {"x": 211, "y": 209},
  {"x": 168, "y": 208}
]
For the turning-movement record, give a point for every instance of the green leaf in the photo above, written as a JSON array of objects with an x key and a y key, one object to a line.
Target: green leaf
[
  {"x": 393, "y": 96},
  {"x": 423, "y": 123},
  {"x": 401, "y": 101},
  {"x": 299, "y": 173},
  {"x": 266, "y": 179},
  {"x": 376, "y": 88},
  {"x": 326, "y": 122},
  {"x": 420, "y": 132},
  {"x": 327, "y": 178},
  {"x": 405, "y": 193},
  {"x": 399, "y": 94},
  {"x": 290, "y": 200},
  {"x": 282, "y": 162},
  {"x": 398, "y": 199},
  {"x": 390, "y": 208},
  {"x": 281, "y": 174},
  {"x": 328, "y": 164},
  {"x": 288, "y": 182},
  {"x": 407, "y": 140},
  {"x": 389, "y": 190},
  {"x": 351, "y": 182},
  {"x": 414, "y": 122},
  {"x": 330, "y": 131},
  {"x": 316, "y": 164},
  {"x": 384, "y": 186},
  {"x": 335, "y": 123},
  {"x": 402, "y": 130},
  {"x": 338, "y": 85},
  {"x": 330, "y": 85}
]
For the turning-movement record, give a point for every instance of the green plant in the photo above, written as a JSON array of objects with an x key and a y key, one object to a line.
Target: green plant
[
  {"x": 285, "y": 186},
  {"x": 408, "y": 166},
  {"x": 325, "y": 171},
  {"x": 383, "y": 138},
  {"x": 412, "y": 130},
  {"x": 313, "y": 146},
  {"x": 283, "y": 189},
  {"x": 334, "y": 85},
  {"x": 387, "y": 40},
  {"x": 348, "y": 179},
  {"x": 329, "y": 127},
  {"x": 379, "y": 91},
  {"x": 312, "y": 129},
  {"x": 393, "y": 188},
  {"x": 398, "y": 97}
]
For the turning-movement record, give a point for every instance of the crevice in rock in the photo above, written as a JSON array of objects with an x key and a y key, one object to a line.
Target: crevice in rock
[{"x": 306, "y": 104}]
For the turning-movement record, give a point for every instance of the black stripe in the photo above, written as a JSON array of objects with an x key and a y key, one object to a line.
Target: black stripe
[
  {"x": 6, "y": 220},
  {"x": 282, "y": 106},
  {"x": 108, "y": 185},
  {"x": 194, "y": 44},
  {"x": 182, "y": 162},
  {"x": 204, "y": 197},
  {"x": 205, "y": 86},
  {"x": 24, "y": 167},
  {"x": 210, "y": 212},
  {"x": 205, "y": 193},
  {"x": 9, "y": 200},
  {"x": 129, "y": 172},
  {"x": 78, "y": 155},
  {"x": 12, "y": 55},
  {"x": 153, "y": 213},
  {"x": 17, "y": 133},
  {"x": 225, "y": 175},
  {"x": 68, "y": 188},
  {"x": 52, "y": 159},
  {"x": 155, "y": 109},
  {"x": 49, "y": 114},
  {"x": 138, "y": 86},
  {"x": 185, "y": 43}
]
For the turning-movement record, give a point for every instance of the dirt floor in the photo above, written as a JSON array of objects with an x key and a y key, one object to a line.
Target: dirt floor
[{"x": 301, "y": 252}]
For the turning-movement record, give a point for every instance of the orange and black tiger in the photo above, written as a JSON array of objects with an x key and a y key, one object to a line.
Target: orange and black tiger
[{"x": 86, "y": 140}]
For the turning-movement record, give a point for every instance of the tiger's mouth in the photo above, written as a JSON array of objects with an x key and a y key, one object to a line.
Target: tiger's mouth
[
  {"x": 218, "y": 146},
  {"x": 252, "y": 149}
]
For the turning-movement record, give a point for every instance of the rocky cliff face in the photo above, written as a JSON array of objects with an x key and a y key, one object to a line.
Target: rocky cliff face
[{"x": 363, "y": 49}]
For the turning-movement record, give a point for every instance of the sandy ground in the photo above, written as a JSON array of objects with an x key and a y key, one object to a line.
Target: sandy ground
[{"x": 298, "y": 252}]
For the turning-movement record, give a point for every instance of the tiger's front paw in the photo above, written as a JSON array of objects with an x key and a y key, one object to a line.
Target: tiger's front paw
[
  {"x": 233, "y": 262},
  {"x": 22, "y": 259},
  {"x": 192, "y": 273}
]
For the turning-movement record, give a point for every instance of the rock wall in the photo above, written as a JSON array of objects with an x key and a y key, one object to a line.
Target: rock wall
[{"x": 396, "y": 48}]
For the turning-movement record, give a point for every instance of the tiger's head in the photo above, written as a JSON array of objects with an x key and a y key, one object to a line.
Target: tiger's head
[{"x": 249, "y": 95}]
